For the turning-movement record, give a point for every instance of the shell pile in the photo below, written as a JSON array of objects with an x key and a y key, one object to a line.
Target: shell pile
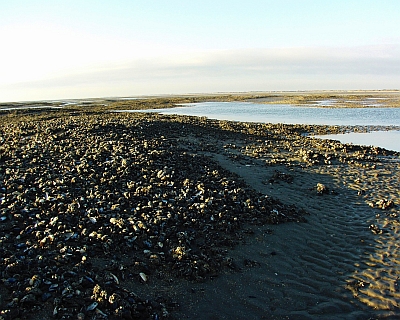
[{"x": 91, "y": 201}]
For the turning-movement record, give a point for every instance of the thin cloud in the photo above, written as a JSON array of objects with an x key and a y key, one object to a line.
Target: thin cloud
[
  {"x": 369, "y": 67},
  {"x": 337, "y": 61}
]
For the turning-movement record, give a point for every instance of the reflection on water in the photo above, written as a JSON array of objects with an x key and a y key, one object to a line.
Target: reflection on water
[
  {"x": 284, "y": 113},
  {"x": 29, "y": 107},
  {"x": 385, "y": 139}
]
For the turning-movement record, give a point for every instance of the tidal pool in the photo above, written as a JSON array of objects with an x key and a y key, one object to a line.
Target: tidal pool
[
  {"x": 289, "y": 114},
  {"x": 385, "y": 139},
  {"x": 286, "y": 113}
]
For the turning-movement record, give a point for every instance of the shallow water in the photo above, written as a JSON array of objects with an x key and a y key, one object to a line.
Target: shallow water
[
  {"x": 285, "y": 113},
  {"x": 289, "y": 114},
  {"x": 385, "y": 139},
  {"x": 28, "y": 107}
]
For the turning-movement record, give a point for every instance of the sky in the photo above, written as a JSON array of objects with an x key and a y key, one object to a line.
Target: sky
[{"x": 51, "y": 49}]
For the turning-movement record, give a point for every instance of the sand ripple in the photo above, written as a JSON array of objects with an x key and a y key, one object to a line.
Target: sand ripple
[{"x": 333, "y": 266}]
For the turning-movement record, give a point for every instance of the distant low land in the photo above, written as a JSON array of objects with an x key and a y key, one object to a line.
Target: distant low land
[{"x": 357, "y": 98}]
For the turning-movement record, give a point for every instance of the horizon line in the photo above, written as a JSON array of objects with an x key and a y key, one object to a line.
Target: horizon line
[{"x": 177, "y": 95}]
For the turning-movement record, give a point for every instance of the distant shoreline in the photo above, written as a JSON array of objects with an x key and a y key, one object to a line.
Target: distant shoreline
[
  {"x": 347, "y": 99},
  {"x": 211, "y": 94}
]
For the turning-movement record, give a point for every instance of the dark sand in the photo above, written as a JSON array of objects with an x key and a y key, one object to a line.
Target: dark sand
[{"x": 332, "y": 267}]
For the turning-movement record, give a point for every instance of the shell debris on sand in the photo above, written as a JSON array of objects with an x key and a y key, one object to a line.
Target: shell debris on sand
[
  {"x": 91, "y": 202},
  {"x": 77, "y": 189}
]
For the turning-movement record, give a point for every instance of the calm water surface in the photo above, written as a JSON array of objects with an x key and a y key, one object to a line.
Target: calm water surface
[
  {"x": 285, "y": 113},
  {"x": 385, "y": 139}
]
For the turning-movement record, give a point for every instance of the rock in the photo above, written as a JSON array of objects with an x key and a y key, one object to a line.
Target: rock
[{"x": 321, "y": 189}]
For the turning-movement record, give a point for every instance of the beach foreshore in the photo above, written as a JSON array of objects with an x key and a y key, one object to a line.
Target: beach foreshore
[
  {"x": 145, "y": 216},
  {"x": 321, "y": 98}
]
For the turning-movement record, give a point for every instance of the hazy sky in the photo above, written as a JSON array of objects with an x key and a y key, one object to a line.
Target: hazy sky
[{"x": 52, "y": 49}]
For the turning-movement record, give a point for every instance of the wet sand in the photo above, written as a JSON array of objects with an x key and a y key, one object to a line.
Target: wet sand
[
  {"x": 342, "y": 263},
  {"x": 333, "y": 266}
]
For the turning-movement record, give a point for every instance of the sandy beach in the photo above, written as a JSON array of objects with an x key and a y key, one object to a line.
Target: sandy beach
[{"x": 144, "y": 216}]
